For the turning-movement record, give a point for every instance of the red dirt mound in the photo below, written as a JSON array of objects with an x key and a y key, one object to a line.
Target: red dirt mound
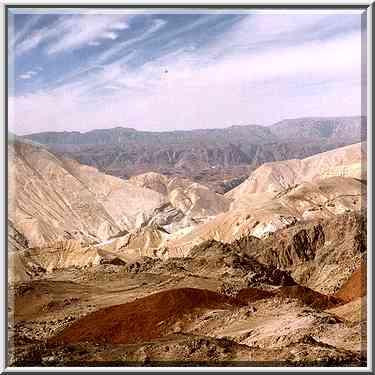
[
  {"x": 249, "y": 295},
  {"x": 308, "y": 296},
  {"x": 303, "y": 294},
  {"x": 355, "y": 286},
  {"x": 144, "y": 319}
]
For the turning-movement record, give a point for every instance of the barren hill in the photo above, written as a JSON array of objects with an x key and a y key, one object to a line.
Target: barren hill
[
  {"x": 266, "y": 213},
  {"x": 193, "y": 199},
  {"x": 349, "y": 161},
  {"x": 55, "y": 199},
  {"x": 156, "y": 215},
  {"x": 52, "y": 199}
]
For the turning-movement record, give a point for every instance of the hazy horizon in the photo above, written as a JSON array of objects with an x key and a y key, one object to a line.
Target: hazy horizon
[
  {"x": 180, "y": 130},
  {"x": 161, "y": 71}
]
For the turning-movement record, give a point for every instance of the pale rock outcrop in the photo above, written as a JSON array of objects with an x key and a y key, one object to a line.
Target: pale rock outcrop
[{"x": 52, "y": 199}]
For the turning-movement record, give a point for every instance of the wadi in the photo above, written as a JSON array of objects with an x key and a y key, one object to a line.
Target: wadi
[{"x": 242, "y": 246}]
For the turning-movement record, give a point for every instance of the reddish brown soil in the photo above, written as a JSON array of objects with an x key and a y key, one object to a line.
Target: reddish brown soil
[
  {"x": 308, "y": 296},
  {"x": 355, "y": 286},
  {"x": 303, "y": 294},
  {"x": 144, "y": 319},
  {"x": 249, "y": 295},
  {"x": 153, "y": 317}
]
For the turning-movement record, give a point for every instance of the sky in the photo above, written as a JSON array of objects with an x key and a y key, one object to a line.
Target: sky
[{"x": 78, "y": 70}]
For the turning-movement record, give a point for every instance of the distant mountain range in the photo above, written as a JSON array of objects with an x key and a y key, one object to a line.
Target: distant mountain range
[{"x": 219, "y": 158}]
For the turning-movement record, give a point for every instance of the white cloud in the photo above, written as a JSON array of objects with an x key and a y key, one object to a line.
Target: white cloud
[
  {"x": 93, "y": 43},
  {"x": 28, "y": 75},
  {"x": 29, "y": 24},
  {"x": 120, "y": 26},
  {"x": 79, "y": 30},
  {"x": 34, "y": 40},
  {"x": 264, "y": 27},
  {"x": 73, "y": 31},
  {"x": 112, "y": 87},
  {"x": 120, "y": 47},
  {"x": 109, "y": 35},
  {"x": 25, "y": 76},
  {"x": 267, "y": 31}
]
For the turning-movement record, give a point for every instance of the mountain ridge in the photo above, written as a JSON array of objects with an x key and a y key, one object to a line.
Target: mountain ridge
[
  {"x": 217, "y": 158},
  {"x": 131, "y": 129}
]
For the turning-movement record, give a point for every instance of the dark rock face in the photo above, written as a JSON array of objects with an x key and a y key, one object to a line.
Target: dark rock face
[
  {"x": 17, "y": 240},
  {"x": 300, "y": 247},
  {"x": 232, "y": 262},
  {"x": 114, "y": 261},
  {"x": 321, "y": 254},
  {"x": 232, "y": 183},
  {"x": 303, "y": 242},
  {"x": 165, "y": 215},
  {"x": 208, "y": 156}
]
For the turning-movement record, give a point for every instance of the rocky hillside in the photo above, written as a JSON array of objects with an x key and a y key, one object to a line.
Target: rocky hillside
[
  {"x": 214, "y": 157},
  {"x": 58, "y": 200},
  {"x": 193, "y": 199},
  {"x": 301, "y": 232},
  {"x": 55, "y": 199},
  {"x": 349, "y": 161},
  {"x": 320, "y": 254},
  {"x": 267, "y": 212}
]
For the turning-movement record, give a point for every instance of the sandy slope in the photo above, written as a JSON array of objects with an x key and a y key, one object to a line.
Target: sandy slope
[
  {"x": 274, "y": 177},
  {"x": 197, "y": 202},
  {"x": 52, "y": 199}
]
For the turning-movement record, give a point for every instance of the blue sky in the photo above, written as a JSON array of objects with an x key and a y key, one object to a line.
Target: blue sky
[{"x": 164, "y": 70}]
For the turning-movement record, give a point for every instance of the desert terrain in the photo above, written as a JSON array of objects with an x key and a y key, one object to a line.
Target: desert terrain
[{"x": 247, "y": 248}]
